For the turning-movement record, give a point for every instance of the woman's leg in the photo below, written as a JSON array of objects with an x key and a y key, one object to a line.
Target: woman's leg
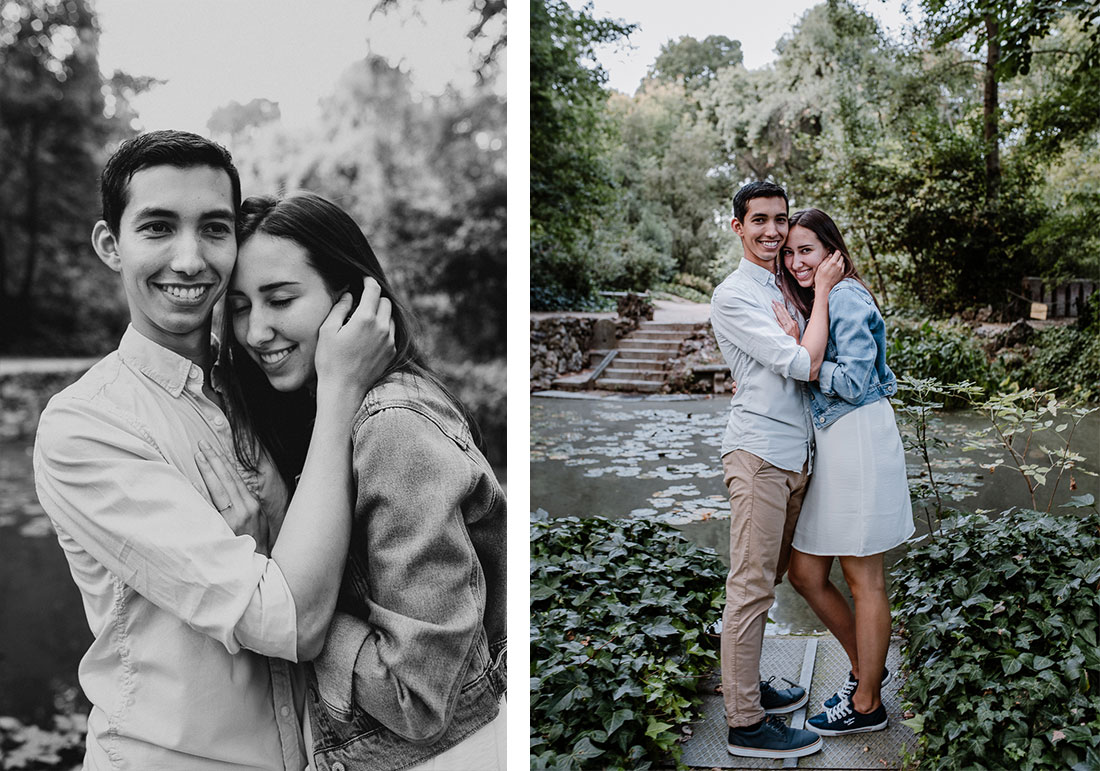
[
  {"x": 867, "y": 580},
  {"x": 809, "y": 575}
]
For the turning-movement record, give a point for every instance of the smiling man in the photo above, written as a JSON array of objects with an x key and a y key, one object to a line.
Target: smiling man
[
  {"x": 185, "y": 612},
  {"x": 766, "y": 457}
]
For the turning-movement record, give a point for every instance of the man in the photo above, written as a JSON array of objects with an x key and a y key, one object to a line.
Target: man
[
  {"x": 180, "y": 606},
  {"x": 766, "y": 457}
]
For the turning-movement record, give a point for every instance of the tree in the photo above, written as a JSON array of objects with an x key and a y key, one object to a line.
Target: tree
[
  {"x": 1006, "y": 31},
  {"x": 57, "y": 114},
  {"x": 695, "y": 62},
  {"x": 569, "y": 132}
]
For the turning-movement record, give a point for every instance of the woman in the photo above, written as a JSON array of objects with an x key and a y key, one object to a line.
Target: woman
[
  {"x": 412, "y": 673},
  {"x": 857, "y": 505}
]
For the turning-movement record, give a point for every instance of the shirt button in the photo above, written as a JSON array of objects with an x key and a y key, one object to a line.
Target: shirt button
[
  {"x": 284, "y": 711},
  {"x": 219, "y": 421}
]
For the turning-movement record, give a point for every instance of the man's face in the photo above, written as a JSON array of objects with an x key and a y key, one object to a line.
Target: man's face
[
  {"x": 763, "y": 230},
  {"x": 175, "y": 250}
]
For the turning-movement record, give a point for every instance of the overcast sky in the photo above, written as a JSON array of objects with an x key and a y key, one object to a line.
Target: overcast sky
[
  {"x": 758, "y": 24},
  {"x": 215, "y": 51}
]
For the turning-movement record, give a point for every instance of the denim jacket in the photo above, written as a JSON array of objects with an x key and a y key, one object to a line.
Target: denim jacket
[
  {"x": 414, "y": 658},
  {"x": 854, "y": 372}
]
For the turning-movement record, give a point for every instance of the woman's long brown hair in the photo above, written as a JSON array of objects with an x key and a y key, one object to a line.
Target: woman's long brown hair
[
  {"x": 339, "y": 252},
  {"x": 822, "y": 226}
]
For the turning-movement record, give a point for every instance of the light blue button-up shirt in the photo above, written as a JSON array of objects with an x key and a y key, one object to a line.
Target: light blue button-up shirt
[
  {"x": 769, "y": 413},
  {"x": 180, "y": 607}
]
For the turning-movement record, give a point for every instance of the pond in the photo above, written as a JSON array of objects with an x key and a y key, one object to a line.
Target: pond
[
  {"x": 658, "y": 457},
  {"x": 42, "y": 624}
]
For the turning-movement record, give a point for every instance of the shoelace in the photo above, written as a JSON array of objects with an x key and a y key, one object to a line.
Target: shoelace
[
  {"x": 838, "y": 711},
  {"x": 768, "y": 683},
  {"x": 848, "y": 688},
  {"x": 776, "y": 725}
]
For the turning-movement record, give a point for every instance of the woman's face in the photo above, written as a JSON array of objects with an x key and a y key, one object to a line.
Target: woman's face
[
  {"x": 277, "y": 302},
  {"x": 802, "y": 253}
]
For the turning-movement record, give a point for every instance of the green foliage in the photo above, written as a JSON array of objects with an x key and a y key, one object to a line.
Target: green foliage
[
  {"x": 570, "y": 181},
  {"x": 1065, "y": 359},
  {"x": 1002, "y": 650},
  {"x": 1018, "y": 422},
  {"x": 695, "y": 62},
  {"x": 618, "y": 609},
  {"x": 916, "y": 406},
  {"x": 57, "y": 114},
  {"x": 946, "y": 352}
]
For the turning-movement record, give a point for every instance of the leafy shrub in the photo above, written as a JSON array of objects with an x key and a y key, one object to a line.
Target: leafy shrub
[
  {"x": 1065, "y": 359},
  {"x": 1001, "y": 629},
  {"x": 556, "y": 298},
  {"x": 681, "y": 292},
  {"x": 618, "y": 609},
  {"x": 944, "y": 351}
]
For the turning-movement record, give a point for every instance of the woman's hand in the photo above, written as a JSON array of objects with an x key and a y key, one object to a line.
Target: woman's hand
[
  {"x": 231, "y": 496},
  {"x": 354, "y": 350},
  {"x": 829, "y": 273},
  {"x": 785, "y": 319}
]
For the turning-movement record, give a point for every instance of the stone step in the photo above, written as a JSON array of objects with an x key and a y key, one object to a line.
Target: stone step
[
  {"x": 624, "y": 373},
  {"x": 614, "y": 384},
  {"x": 622, "y": 362},
  {"x": 647, "y": 354},
  {"x": 650, "y": 345},
  {"x": 655, "y": 334},
  {"x": 667, "y": 326}
]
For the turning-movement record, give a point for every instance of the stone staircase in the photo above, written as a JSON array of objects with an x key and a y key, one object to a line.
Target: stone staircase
[{"x": 641, "y": 364}]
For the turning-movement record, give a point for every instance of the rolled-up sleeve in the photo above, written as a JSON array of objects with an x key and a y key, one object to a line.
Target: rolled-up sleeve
[
  {"x": 404, "y": 662},
  {"x": 850, "y": 316},
  {"x": 755, "y": 330},
  {"x": 102, "y": 479}
]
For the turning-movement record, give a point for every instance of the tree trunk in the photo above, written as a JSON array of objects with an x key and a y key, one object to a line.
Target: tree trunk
[
  {"x": 874, "y": 267},
  {"x": 26, "y": 303},
  {"x": 990, "y": 112}
]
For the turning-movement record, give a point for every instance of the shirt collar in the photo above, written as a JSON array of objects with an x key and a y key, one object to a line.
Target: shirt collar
[
  {"x": 760, "y": 275},
  {"x": 166, "y": 368}
]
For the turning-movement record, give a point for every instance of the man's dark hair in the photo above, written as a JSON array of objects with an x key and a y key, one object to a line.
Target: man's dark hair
[
  {"x": 159, "y": 148},
  {"x": 756, "y": 190}
]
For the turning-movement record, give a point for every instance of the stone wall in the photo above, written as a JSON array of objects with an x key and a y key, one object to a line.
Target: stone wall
[{"x": 560, "y": 344}]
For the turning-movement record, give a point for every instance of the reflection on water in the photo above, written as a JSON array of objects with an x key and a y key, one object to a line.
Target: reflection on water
[
  {"x": 659, "y": 459},
  {"x": 43, "y": 631}
]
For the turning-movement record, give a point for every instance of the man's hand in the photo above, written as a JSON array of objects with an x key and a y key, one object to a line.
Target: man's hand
[
  {"x": 231, "y": 497},
  {"x": 829, "y": 273},
  {"x": 785, "y": 319}
]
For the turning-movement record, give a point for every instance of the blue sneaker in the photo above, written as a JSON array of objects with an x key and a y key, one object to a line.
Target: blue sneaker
[
  {"x": 773, "y": 738},
  {"x": 778, "y": 702},
  {"x": 849, "y": 688},
  {"x": 841, "y": 719}
]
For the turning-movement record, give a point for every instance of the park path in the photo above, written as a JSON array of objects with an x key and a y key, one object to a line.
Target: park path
[
  {"x": 19, "y": 365},
  {"x": 664, "y": 311}
]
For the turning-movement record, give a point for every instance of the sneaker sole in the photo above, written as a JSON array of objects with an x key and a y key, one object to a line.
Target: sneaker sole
[
  {"x": 862, "y": 730},
  {"x": 789, "y": 707},
  {"x": 755, "y": 752}
]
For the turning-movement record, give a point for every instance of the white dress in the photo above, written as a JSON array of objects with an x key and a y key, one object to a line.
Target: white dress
[{"x": 857, "y": 503}]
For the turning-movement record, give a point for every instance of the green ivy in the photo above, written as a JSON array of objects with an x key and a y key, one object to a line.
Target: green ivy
[
  {"x": 1002, "y": 624},
  {"x": 943, "y": 351},
  {"x": 618, "y": 609}
]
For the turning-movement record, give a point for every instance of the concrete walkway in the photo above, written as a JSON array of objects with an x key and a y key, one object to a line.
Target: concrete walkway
[
  {"x": 819, "y": 664},
  {"x": 664, "y": 311},
  {"x": 21, "y": 365}
]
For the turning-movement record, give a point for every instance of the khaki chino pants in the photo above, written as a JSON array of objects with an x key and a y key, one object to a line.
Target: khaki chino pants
[{"x": 764, "y": 506}]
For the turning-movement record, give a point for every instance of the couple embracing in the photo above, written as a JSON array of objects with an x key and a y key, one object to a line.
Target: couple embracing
[
  {"x": 813, "y": 463},
  {"x": 305, "y": 490}
]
